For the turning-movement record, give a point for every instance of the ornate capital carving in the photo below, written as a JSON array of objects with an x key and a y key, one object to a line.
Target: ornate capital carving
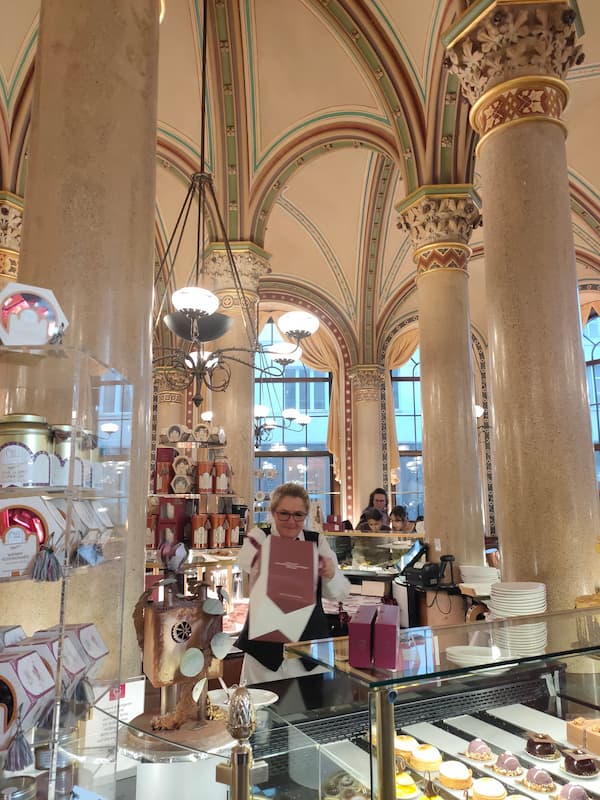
[
  {"x": 9, "y": 264},
  {"x": 437, "y": 216},
  {"x": 367, "y": 380},
  {"x": 165, "y": 380},
  {"x": 11, "y": 220},
  {"x": 512, "y": 40},
  {"x": 251, "y": 263},
  {"x": 452, "y": 256}
]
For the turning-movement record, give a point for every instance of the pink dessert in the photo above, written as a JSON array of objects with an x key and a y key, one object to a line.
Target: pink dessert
[
  {"x": 507, "y": 764},
  {"x": 539, "y": 780},
  {"x": 478, "y": 750},
  {"x": 573, "y": 791}
]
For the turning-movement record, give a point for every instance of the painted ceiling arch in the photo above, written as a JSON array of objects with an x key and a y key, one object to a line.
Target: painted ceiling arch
[{"x": 322, "y": 115}]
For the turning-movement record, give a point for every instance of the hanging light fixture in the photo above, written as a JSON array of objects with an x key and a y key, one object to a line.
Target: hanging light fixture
[
  {"x": 298, "y": 325},
  {"x": 196, "y": 318}
]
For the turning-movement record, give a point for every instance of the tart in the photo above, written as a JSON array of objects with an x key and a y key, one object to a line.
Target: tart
[
  {"x": 426, "y": 758},
  {"x": 488, "y": 789},
  {"x": 455, "y": 775},
  {"x": 573, "y": 791},
  {"x": 541, "y": 745},
  {"x": 507, "y": 764},
  {"x": 539, "y": 780},
  {"x": 405, "y": 785},
  {"x": 478, "y": 750},
  {"x": 404, "y": 745},
  {"x": 580, "y": 764}
]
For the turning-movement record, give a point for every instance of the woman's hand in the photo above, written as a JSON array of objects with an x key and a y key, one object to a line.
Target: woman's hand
[{"x": 326, "y": 567}]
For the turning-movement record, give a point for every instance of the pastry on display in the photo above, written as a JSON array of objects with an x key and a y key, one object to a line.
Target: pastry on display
[
  {"x": 508, "y": 764},
  {"x": 342, "y": 786},
  {"x": 455, "y": 775},
  {"x": 478, "y": 750},
  {"x": 488, "y": 789},
  {"x": 576, "y": 730},
  {"x": 580, "y": 763},
  {"x": 426, "y": 758},
  {"x": 592, "y": 737},
  {"x": 405, "y": 786},
  {"x": 539, "y": 780},
  {"x": 573, "y": 791},
  {"x": 541, "y": 745},
  {"x": 404, "y": 745}
]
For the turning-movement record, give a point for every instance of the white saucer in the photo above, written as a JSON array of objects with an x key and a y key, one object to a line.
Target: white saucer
[{"x": 259, "y": 697}]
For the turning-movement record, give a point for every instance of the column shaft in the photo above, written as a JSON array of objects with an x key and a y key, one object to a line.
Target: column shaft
[{"x": 367, "y": 445}]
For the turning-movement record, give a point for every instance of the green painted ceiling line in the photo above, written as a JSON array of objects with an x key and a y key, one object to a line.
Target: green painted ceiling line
[
  {"x": 590, "y": 240},
  {"x": 589, "y": 190},
  {"x": 14, "y": 84},
  {"x": 271, "y": 196},
  {"x": 232, "y": 201},
  {"x": 324, "y": 248},
  {"x": 406, "y": 57}
]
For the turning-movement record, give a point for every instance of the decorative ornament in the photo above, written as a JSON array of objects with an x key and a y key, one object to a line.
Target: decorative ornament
[
  {"x": 30, "y": 315},
  {"x": 19, "y": 754},
  {"x": 46, "y": 566}
]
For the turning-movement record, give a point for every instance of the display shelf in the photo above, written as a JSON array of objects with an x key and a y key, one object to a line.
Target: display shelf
[{"x": 194, "y": 496}]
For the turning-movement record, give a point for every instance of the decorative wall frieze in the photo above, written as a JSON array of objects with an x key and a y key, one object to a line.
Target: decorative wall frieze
[
  {"x": 11, "y": 221},
  {"x": 512, "y": 40},
  {"x": 251, "y": 263},
  {"x": 367, "y": 381},
  {"x": 440, "y": 214}
]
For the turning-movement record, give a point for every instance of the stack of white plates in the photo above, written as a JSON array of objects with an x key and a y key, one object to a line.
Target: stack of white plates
[
  {"x": 479, "y": 577},
  {"x": 517, "y": 600},
  {"x": 471, "y": 656}
]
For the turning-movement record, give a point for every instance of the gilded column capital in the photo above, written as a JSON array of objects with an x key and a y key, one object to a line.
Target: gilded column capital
[
  {"x": 440, "y": 220},
  {"x": 170, "y": 384},
  {"x": 252, "y": 264},
  {"x": 11, "y": 220},
  {"x": 512, "y": 59},
  {"x": 367, "y": 380}
]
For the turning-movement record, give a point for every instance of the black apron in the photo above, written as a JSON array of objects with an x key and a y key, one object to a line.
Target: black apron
[{"x": 270, "y": 654}]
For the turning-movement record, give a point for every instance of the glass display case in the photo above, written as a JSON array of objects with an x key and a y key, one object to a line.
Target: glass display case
[
  {"x": 492, "y": 681},
  {"x": 64, "y": 472}
]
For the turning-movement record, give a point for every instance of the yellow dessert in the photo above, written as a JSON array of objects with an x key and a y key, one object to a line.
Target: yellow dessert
[{"x": 405, "y": 785}]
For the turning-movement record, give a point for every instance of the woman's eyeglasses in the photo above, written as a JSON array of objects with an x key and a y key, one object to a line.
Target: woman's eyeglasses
[{"x": 284, "y": 516}]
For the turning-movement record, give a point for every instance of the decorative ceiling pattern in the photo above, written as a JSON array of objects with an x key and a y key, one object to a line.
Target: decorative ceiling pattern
[{"x": 322, "y": 115}]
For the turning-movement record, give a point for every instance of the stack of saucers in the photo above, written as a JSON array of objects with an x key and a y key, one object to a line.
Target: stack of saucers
[
  {"x": 518, "y": 600},
  {"x": 479, "y": 577}
]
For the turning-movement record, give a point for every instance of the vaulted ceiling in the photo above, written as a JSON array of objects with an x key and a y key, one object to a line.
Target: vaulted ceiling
[{"x": 322, "y": 115}]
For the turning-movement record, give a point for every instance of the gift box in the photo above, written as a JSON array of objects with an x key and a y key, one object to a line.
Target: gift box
[
  {"x": 86, "y": 639},
  {"x": 360, "y": 636},
  {"x": 26, "y": 523},
  {"x": 282, "y": 596},
  {"x": 27, "y": 686},
  {"x": 386, "y": 637},
  {"x": 10, "y": 635},
  {"x": 73, "y": 664}
]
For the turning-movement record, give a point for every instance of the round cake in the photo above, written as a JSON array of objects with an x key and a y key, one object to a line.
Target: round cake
[
  {"x": 488, "y": 789},
  {"x": 404, "y": 745},
  {"x": 455, "y": 775},
  {"x": 573, "y": 791},
  {"x": 580, "y": 763},
  {"x": 507, "y": 764},
  {"x": 541, "y": 745},
  {"x": 478, "y": 750},
  {"x": 426, "y": 758},
  {"x": 539, "y": 780}
]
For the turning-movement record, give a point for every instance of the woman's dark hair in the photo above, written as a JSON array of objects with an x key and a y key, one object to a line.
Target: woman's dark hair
[
  {"x": 372, "y": 513},
  {"x": 399, "y": 512},
  {"x": 378, "y": 491}
]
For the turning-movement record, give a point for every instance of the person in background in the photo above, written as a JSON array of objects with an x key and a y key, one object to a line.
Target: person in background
[
  {"x": 263, "y": 661},
  {"x": 367, "y": 550},
  {"x": 399, "y": 520},
  {"x": 377, "y": 499}
]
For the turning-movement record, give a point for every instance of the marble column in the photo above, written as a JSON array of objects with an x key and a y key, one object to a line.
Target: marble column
[
  {"x": 440, "y": 220},
  {"x": 367, "y": 381},
  {"x": 233, "y": 408},
  {"x": 88, "y": 234},
  {"x": 11, "y": 219},
  {"x": 512, "y": 61}
]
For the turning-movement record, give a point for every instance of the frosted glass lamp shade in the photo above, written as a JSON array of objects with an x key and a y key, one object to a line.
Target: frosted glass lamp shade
[
  {"x": 195, "y": 299},
  {"x": 298, "y": 324}
]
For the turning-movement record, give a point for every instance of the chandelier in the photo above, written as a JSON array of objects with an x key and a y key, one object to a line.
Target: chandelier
[{"x": 195, "y": 317}]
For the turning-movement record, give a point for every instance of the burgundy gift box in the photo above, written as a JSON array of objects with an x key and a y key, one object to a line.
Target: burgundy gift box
[
  {"x": 360, "y": 636},
  {"x": 386, "y": 637}
]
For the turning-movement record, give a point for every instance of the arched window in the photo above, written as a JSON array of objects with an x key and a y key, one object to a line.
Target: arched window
[
  {"x": 406, "y": 390},
  {"x": 284, "y": 449},
  {"x": 591, "y": 349}
]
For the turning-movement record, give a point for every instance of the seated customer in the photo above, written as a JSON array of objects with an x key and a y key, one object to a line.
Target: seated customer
[
  {"x": 367, "y": 550},
  {"x": 377, "y": 499},
  {"x": 399, "y": 520}
]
